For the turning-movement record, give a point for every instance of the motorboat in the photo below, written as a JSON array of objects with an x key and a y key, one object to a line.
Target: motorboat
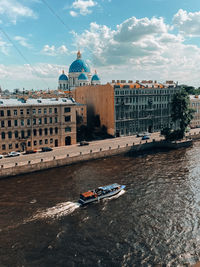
[{"x": 100, "y": 193}]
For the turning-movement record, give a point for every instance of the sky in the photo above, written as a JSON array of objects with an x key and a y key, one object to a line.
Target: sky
[{"x": 121, "y": 40}]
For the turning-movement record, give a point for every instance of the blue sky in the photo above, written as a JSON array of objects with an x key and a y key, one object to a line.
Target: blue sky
[{"x": 130, "y": 39}]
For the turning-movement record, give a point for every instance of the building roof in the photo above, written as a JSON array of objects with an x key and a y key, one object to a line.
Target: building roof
[
  {"x": 78, "y": 65},
  {"x": 63, "y": 77},
  {"x": 36, "y": 102},
  {"x": 82, "y": 76},
  {"x": 95, "y": 77}
]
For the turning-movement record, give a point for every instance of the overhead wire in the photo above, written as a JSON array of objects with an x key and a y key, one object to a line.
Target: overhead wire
[{"x": 21, "y": 54}]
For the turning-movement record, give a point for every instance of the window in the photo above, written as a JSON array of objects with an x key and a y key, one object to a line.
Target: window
[
  {"x": 29, "y": 133},
  {"x": 55, "y": 110},
  {"x": 35, "y": 132},
  {"x": 67, "y": 118},
  {"x": 34, "y": 121},
  {"x": 56, "y": 119},
  {"x": 9, "y": 123},
  {"x": 15, "y": 112},
  {"x": 16, "y": 146},
  {"x": 35, "y": 143},
  {"x": 50, "y": 110},
  {"x": 8, "y": 112},
  {"x": 2, "y": 124},
  {"x": 3, "y": 135},
  {"x": 50, "y": 120},
  {"x": 46, "y": 141},
  {"x": 67, "y": 110},
  {"x": 45, "y": 111},
  {"x": 28, "y": 122},
  {"x": 29, "y": 143},
  {"x": 56, "y": 130},
  {"x": 21, "y": 111},
  {"x": 46, "y": 131},
  {"x": 40, "y": 142},
  {"x": 16, "y": 134},
  {"x": 22, "y": 134},
  {"x": 39, "y": 111},
  {"x": 40, "y": 132},
  {"x": 10, "y": 135},
  {"x": 51, "y": 140},
  {"x": 68, "y": 129},
  {"x": 22, "y": 122},
  {"x": 45, "y": 120},
  {"x": 51, "y": 130},
  {"x": 3, "y": 147},
  {"x": 40, "y": 120},
  {"x": 28, "y": 111},
  {"x": 2, "y": 113},
  {"x": 34, "y": 111}
]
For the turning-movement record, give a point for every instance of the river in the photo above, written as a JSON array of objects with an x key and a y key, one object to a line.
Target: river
[{"x": 155, "y": 221}]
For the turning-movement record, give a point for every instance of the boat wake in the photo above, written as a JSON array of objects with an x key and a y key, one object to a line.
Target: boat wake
[{"x": 61, "y": 209}]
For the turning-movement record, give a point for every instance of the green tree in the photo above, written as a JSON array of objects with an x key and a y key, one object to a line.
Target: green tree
[{"x": 181, "y": 113}]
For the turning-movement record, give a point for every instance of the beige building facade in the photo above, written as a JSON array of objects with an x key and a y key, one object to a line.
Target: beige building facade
[
  {"x": 195, "y": 104},
  {"x": 35, "y": 123}
]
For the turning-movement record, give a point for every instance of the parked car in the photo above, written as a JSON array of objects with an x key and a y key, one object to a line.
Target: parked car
[
  {"x": 46, "y": 149},
  {"x": 84, "y": 143},
  {"x": 145, "y": 137},
  {"x": 13, "y": 154},
  {"x": 139, "y": 134},
  {"x": 30, "y": 151},
  {"x": 1, "y": 156}
]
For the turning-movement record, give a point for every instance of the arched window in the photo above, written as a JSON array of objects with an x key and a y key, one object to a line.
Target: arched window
[
  {"x": 10, "y": 135},
  {"x": 34, "y": 132},
  {"x": 51, "y": 130},
  {"x": 16, "y": 134},
  {"x": 22, "y": 134},
  {"x": 40, "y": 131},
  {"x": 29, "y": 132},
  {"x": 3, "y": 136},
  {"x": 46, "y": 131},
  {"x": 56, "y": 130}
]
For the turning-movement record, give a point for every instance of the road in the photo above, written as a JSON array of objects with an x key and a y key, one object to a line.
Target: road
[{"x": 73, "y": 150}]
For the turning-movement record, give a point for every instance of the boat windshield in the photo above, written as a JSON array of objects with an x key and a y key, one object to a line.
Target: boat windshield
[{"x": 109, "y": 187}]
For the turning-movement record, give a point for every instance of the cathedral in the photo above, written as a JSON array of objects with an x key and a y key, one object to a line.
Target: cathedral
[{"x": 79, "y": 75}]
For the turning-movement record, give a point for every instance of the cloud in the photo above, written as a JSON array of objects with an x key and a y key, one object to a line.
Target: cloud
[
  {"x": 4, "y": 47},
  {"x": 53, "y": 51},
  {"x": 141, "y": 49},
  {"x": 14, "y": 10},
  {"x": 22, "y": 41},
  {"x": 188, "y": 23},
  {"x": 82, "y": 6}
]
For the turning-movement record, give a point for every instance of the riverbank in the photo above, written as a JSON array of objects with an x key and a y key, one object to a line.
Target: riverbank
[{"x": 17, "y": 168}]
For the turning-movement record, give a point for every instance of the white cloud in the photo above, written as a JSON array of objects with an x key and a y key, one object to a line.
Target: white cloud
[
  {"x": 73, "y": 13},
  {"x": 141, "y": 49},
  {"x": 22, "y": 41},
  {"x": 53, "y": 51},
  {"x": 14, "y": 10},
  {"x": 188, "y": 23},
  {"x": 4, "y": 47},
  {"x": 83, "y": 7}
]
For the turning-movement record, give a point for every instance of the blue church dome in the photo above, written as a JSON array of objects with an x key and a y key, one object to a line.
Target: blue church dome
[
  {"x": 82, "y": 76},
  {"x": 79, "y": 65},
  {"x": 95, "y": 77},
  {"x": 63, "y": 77}
]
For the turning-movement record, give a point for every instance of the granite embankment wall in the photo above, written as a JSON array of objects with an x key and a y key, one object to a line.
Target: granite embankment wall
[{"x": 49, "y": 163}]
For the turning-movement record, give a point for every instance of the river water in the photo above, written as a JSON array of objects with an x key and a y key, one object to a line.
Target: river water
[{"x": 154, "y": 222}]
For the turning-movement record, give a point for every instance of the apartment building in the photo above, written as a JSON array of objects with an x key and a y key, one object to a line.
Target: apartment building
[
  {"x": 127, "y": 108},
  {"x": 195, "y": 104},
  {"x": 35, "y": 123}
]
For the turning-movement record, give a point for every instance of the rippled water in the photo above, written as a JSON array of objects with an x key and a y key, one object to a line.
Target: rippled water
[{"x": 154, "y": 222}]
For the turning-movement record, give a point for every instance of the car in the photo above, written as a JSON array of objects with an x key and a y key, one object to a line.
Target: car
[
  {"x": 145, "y": 137},
  {"x": 1, "y": 156},
  {"x": 139, "y": 135},
  {"x": 13, "y": 154},
  {"x": 46, "y": 149},
  {"x": 30, "y": 151},
  {"x": 84, "y": 143}
]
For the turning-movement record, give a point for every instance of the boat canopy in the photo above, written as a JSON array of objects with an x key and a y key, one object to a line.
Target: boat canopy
[
  {"x": 109, "y": 187},
  {"x": 88, "y": 194}
]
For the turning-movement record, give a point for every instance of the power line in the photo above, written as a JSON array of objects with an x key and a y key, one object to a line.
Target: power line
[{"x": 20, "y": 53}]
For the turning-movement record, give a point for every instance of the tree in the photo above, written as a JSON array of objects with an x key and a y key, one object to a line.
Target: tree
[{"x": 181, "y": 113}]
